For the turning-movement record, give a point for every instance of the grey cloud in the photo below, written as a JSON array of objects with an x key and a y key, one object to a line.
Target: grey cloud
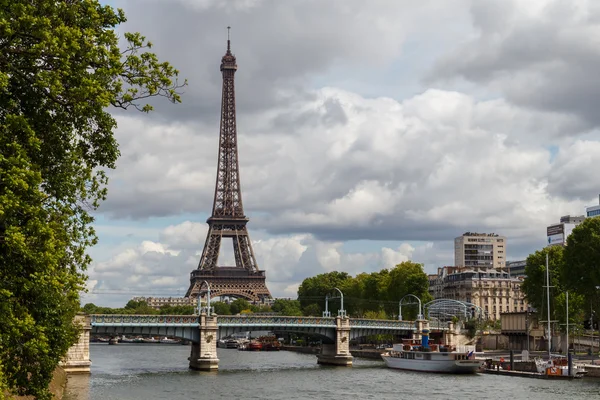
[
  {"x": 542, "y": 57},
  {"x": 281, "y": 46}
]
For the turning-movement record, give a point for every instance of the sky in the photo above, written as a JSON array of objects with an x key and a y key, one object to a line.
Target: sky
[{"x": 370, "y": 133}]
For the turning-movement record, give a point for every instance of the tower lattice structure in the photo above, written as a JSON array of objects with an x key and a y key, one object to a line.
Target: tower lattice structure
[{"x": 228, "y": 220}]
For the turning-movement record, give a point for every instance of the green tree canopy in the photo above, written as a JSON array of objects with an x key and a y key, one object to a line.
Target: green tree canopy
[
  {"x": 407, "y": 278},
  {"x": 286, "y": 307},
  {"x": 314, "y": 289},
  {"x": 581, "y": 269},
  {"x": 535, "y": 281},
  {"x": 61, "y": 68},
  {"x": 239, "y": 305}
]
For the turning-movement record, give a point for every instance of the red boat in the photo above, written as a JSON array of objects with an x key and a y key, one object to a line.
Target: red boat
[{"x": 254, "y": 345}]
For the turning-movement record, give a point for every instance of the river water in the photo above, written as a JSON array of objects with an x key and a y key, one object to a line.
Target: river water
[{"x": 155, "y": 371}]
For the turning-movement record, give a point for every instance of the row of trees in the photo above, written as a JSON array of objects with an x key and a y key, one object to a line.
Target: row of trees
[
  {"x": 574, "y": 268},
  {"x": 238, "y": 306},
  {"x": 370, "y": 295}
]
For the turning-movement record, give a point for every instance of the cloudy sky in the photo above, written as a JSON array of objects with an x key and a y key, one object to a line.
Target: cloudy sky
[{"x": 369, "y": 133}]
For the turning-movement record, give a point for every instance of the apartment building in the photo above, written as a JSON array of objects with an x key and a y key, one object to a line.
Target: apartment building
[
  {"x": 158, "y": 302},
  {"x": 493, "y": 290},
  {"x": 480, "y": 251}
]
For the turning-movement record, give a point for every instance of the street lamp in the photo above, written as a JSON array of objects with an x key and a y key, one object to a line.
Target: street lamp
[
  {"x": 208, "y": 308},
  {"x": 341, "y": 312},
  {"x": 326, "y": 313},
  {"x": 419, "y": 316}
]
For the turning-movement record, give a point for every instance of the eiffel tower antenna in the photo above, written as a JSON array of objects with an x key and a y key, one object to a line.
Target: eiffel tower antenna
[{"x": 245, "y": 279}]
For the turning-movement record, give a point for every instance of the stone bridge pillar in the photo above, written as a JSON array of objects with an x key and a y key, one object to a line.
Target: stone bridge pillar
[
  {"x": 449, "y": 335},
  {"x": 203, "y": 356},
  {"x": 77, "y": 360},
  {"x": 338, "y": 353},
  {"x": 420, "y": 325}
]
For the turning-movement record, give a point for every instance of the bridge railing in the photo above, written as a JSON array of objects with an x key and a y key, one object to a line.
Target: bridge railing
[
  {"x": 126, "y": 319},
  {"x": 249, "y": 320},
  {"x": 382, "y": 323},
  {"x": 258, "y": 320}
]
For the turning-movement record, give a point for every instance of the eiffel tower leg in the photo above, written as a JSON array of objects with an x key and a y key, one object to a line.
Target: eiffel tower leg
[{"x": 212, "y": 246}]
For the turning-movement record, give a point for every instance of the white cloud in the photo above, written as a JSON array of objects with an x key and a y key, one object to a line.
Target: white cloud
[{"x": 323, "y": 166}]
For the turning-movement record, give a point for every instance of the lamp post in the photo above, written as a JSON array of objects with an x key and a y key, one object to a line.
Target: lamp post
[
  {"x": 419, "y": 316},
  {"x": 326, "y": 313},
  {"x": 341, "y": 312},
  {"x": 208, "y": 308}
]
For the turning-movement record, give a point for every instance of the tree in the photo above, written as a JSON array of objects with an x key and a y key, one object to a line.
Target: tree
[
  {"x": 286, "y": 307},
  {"x": 313, "y": 290},
  {"x": 312, "y": 310},
  {"x": 239, "y": 305},
  {"x": 61, "y": 67},
  {"x": 407, "y": 278},
  {"x": 221, "y": 308},
  {"x": 535, "y": 281},
  {"x": 581, "y": 268}
]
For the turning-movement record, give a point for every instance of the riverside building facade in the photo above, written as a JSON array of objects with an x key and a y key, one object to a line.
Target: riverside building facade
[
  {"x": 480, "y": 276},
  {"x": 158, "y": 302}
]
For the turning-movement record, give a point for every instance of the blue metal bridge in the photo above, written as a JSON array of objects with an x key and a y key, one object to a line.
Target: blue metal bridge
[{"x": 186, "y": 326}]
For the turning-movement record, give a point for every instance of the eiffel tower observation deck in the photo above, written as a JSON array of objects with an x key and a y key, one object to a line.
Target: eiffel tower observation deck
[{"x": 245, "y": 279}]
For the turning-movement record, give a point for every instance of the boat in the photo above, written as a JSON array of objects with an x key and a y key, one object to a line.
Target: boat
[
  {"x": 228, "y": 343},
  {"x": 254, "y": 345},
  {"x": 125, "y": 339},
  {"x": 269, "y": 343},
  {"x": 419, "y": 355},
  {"x": 558, "y": 367},
  {"x": 167, "y": 340},
  {"x": 150, "y": 340}
]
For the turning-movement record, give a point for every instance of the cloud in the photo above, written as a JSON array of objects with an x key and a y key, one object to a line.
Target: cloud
[
  {"x": 540, "y": 54},
  {"x": 162, "y": 268}
]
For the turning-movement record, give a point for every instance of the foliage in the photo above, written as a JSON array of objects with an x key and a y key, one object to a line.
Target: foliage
[
  {"x": 60, "y": 68},
  {"x": 581, "y": 269},
  {"x": 535, "y": 281},
  {"x": 314, "y": 289},
  {"x": 286, "y": 307},
  {"x": 177, "y": 310},
  {"x": 238, "y": 305},
  {"x": 221, "y": 308},
  {"x": 376, "y": 293},
  {"x": 312, "y": 310},
  {"x": 407, "y": 278}
]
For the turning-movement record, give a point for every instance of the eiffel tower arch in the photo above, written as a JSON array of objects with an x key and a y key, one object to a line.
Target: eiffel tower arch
[{"x": 245, "y": 279}]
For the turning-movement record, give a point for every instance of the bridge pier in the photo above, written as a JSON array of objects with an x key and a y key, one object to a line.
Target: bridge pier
[
  {"x": 203, "y": 355},
  {"x": 77, "y": 359},
  {"x": 338, "y": 353},
  {"x": 449, "y": 335}
]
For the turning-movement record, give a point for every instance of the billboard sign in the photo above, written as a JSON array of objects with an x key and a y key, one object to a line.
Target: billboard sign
[
  {"x": 555, "y": 230},
  {"x": 556, "y": 239},
  {"x": 556, "y": 234}
]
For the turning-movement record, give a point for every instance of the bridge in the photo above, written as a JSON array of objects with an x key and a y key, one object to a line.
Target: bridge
[{"x": 204, "y": 330}]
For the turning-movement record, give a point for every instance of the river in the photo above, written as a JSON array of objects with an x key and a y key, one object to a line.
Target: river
[{"x": 155, "y": 371}]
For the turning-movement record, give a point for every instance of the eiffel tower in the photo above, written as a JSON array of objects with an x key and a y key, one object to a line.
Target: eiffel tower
[{"x": 244, "y": 280}]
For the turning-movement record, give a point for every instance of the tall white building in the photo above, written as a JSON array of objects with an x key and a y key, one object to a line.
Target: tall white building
[{"x": 480, "y": 251}]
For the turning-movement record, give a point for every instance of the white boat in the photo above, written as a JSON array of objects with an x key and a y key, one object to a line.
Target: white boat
[
  {"x": 228, "y": 343},
  {"x": 418, "y": 355},
  {"x": 166, "y": 340},
  {"x": 558, "y": 366}
]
